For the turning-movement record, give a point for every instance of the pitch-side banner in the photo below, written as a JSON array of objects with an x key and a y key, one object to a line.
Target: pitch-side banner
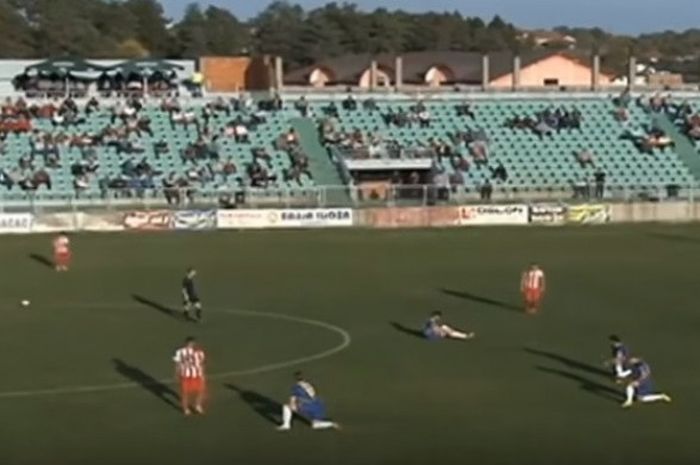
[
  {"x": 288, "y": 218},
  {"x": 148, "y": 220},
  {"x": 551, "y": 214},
  {"x": 194, "y": 219},
  {"x": 53, "y": 222},
  {"x": 19, "y": 223},
  {"x": 493, "y": 215},
  {"x": 588, "y": 214},
  {"x": 103, "y": 221}
]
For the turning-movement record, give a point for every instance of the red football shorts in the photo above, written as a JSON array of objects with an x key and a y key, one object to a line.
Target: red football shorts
[
  {"x": 191, "y": 385},
  {"x": 532, "y": 295},
  {"x": 62, "y": 258}
]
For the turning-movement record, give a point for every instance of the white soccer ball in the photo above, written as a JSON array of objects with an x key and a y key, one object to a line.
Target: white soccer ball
[{"x": 25, "y": 303}]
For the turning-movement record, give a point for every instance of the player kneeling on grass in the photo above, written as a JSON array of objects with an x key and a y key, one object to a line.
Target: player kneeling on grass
[
  {"x": 304, "y": 403},
  {"x": 435, "y": 329},
  {"x": 640, "y": 387},
  {"x": 620, "y": 359}
]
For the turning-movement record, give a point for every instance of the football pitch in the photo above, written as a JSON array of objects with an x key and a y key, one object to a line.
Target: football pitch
[{"x": 85, "y": 366}]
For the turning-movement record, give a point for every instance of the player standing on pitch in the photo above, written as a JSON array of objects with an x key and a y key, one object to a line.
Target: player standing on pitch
[
  {"x": 190, "y": 297},
  {"x": 61, "y": 252},
  {"x": 189, "y": 369},
  {"x": 532, "y": 287}
]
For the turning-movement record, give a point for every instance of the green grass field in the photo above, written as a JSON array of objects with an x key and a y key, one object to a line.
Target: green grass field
[{"x": 527, "y": 390}]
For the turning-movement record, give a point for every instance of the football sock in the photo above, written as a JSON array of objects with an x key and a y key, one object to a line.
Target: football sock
[
  {"x": 653, "y": 397},
  {"x": 630, "y": 393},
  {"x": 317, "y": 424},
  {"x": 286, "y": 416}
]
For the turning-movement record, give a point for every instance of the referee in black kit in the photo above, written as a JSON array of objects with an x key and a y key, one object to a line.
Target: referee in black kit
[{"x": 190, "y": 297}]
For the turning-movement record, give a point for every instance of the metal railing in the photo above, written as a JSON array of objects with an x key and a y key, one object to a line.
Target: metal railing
[{"x": 359, "y": 196}]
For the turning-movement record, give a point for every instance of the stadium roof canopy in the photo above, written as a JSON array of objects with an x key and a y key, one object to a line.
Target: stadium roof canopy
[
  {"x": 145, "y": 67},
  {"x": 64, "y": 67}
]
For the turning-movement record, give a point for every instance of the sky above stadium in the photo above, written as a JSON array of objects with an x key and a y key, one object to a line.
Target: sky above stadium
[{"x": 621, "y": 16}]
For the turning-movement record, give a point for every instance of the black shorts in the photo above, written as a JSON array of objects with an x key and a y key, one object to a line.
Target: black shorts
[{"x": 192, "y": 299}]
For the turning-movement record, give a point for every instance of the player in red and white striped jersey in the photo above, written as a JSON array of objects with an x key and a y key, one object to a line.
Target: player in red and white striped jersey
[
  {"x": 189, "y": 369},
  {"x": 533, "y": 286},
  {"x": 61, "y": 252}
]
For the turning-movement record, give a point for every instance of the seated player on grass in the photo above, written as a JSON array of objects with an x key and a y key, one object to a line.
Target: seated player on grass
[
  {"x": 435, "y": 329},
  {"x": 304, "y": 403},
  {"x": 640, "y": 387}
]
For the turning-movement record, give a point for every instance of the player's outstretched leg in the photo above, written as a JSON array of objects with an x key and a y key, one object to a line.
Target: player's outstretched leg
[
  {"x": 198, "y": 311},
  {"x": 661, "y": 397},
  {"x": 455, "y": 334},
  {"x": 324, "y": 424}
]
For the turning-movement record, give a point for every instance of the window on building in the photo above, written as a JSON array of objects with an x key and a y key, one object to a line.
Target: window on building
[{"x": 551, "y": 82}]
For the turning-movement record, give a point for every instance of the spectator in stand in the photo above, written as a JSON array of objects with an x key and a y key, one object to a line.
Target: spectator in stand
[
  {"x": 599, "y": 178},
  {"x": 585, "y": 158},
  {"x": 228, "y": 169},
  {"x": 349, "y": 104},
  {"x": 424, "y": 118},
  {"x": 170, "y": 189},
  {"x": 241, "y": 133},
  {"x": 331, "y": 110},
  {"x": 6, "y": 180},
  {"x": 500, "y": 173},
  {"x": 479, "y": 152},
  {"x": 143, "y": 124},
  {"x": 465, "y": 109},
  {"x": 291, "y": 139},
  {"x": 302, "y": 106},
  {"x": 459, "y": 163},
  {"x": 214, "y": 148},
  {"x": 92, "y": 106},
  {"x": 161, "y": 148},
  {"x": 486, "y": 190},
  {"x": 622, "y": 114},
  {"x": 41, "y": 178},
  {"x": 542, "y": 129},
  {"x": 369, "y": 104},
  {"x": 81, "y": 183}
]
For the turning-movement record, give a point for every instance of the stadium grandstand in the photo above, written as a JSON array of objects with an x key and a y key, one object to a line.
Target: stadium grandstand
[{"x": 343, "y": 131}]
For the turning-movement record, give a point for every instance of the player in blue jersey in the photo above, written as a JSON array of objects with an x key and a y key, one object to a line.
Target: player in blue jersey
[
  {"x": 640, "y": 387},
  {"x": 190, "y": 297},
  {"x": 306, "y": 404},
  {"x": 619, "y": 360},
  {"x": 435, "y": 329}
]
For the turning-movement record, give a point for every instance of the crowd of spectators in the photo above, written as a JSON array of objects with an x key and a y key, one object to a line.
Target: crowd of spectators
[
  {"x": 547, "y": 123},
  {"x": 126, "y": 128}
]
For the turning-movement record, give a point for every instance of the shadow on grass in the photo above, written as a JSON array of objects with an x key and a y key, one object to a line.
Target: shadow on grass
[
  {"x": 269, "y": 409},
  {"x": 569, "y": 362},
  {"x": 482, "y": 300},
  {"x": 164, "y": 309},
  {"x": 588, "y": 385},
  {"x": 406, "y": 330},
  {"x": 161, "y": 390},
  {"x": 42, "y": 260}
]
